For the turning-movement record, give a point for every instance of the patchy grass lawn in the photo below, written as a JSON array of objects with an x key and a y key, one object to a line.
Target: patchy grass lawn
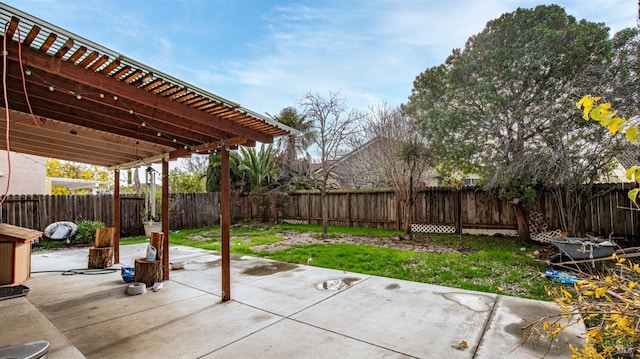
[{"x": 481, "y": 263}]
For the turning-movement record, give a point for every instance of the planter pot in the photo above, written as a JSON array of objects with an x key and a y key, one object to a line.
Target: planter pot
[{"x": 151, "y": 227}]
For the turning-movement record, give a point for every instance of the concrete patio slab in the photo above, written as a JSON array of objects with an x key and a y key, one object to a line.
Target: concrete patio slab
[
  {"x": 503, "y": 337},
  {"x": 22, "y": 322},
  {"x": 103, "y": 299},
  {"x": 281, "y": 341},
  {"x": 291, "y": 291},
  {"x": 277, "y": 310},
  {"x": 185, "y": 329},
  {"x": 417, "y": 319}
]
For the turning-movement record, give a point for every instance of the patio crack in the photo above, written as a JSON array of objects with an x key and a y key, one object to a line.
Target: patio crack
[{"x": 486, "y": 326}]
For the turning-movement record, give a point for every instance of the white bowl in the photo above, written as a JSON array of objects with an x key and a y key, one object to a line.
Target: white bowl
[{"x": 177, "y": 265}]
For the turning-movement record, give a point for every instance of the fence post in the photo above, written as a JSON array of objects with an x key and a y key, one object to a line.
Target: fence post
[
  {"x": 308, "y": 208},
  {"x": 348, "y": 209},
  {"x": 458, "y": 213}
]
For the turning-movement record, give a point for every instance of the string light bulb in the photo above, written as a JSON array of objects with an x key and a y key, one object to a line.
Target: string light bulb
[
  {"x": 101, "y": 95},
  {"x": 144, "y": 124},
  {"x": 131, "y": 112},
  {"x": 27, "y": 72},
  {"x": 78, "y": 96},
  {"x": 51, "y": 88},
  {"x": 115, "y": 98},
  {"x": 159, "y": 134}
]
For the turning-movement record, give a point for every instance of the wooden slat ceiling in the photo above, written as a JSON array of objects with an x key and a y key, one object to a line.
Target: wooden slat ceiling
[{"x": 88, "y": 104}]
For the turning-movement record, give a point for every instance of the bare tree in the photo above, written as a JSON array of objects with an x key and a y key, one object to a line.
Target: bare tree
[
  {"x": 196, "y": 163},
  {"x": 397, "y": 148},
  {"x": 333, "y": 124}
]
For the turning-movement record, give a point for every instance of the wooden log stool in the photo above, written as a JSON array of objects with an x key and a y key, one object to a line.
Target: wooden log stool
[
  {"x": 148, "y": 271},
  {"x": 101, "y": 255},
  {"x": 100, "y": 258}
]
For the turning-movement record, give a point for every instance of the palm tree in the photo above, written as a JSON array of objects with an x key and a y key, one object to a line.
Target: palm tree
[
  {"x": 293, "y": 157},
  {"x": 261, "y": 174},
  {"x": 214, "y": 173},
  {"x": 259, "y": 168}
]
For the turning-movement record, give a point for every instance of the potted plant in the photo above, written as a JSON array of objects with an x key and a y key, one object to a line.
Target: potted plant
[{"x": 150, "y": 223}]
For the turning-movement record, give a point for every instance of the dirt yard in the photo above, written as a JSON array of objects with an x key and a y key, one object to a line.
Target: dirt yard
[{"x": 293, "y": 238}]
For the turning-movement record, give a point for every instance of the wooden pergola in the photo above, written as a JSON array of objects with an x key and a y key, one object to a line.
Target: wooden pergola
[{"x": 68, "y": 98}]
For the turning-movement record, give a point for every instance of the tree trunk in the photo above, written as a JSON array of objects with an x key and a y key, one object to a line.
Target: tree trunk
[
  {"x": 406, "y": 219},
  {"x": 325, "y": 211},
  {"x": 324, "y": 200},
  {"x": 408, "y": 208},
  {"x": 523, "y": 226}
]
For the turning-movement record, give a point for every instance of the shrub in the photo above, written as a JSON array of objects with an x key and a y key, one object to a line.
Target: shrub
[
  {"x": 609, "y": 306},
  {"x": 86, "y": 232}
]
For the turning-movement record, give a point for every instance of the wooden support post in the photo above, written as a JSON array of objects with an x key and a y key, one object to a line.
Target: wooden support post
[
  {"x": 147, "y": 272},
  {"x": 165, "y": 219},
  {"x": 100, "y": 258},
  {"x": 116, "y": 214},
  {"x": 225, "y": 217}
]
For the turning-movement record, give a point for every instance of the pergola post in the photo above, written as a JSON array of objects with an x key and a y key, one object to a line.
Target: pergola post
[
  {"x": 225, "y": 219},
  {"x": 165, "y": 217},
  {"x": 116, "y": 215}
]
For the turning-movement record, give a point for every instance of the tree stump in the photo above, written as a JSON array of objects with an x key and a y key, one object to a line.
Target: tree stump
[
  {"x": 105, "y": 237},
  {"x": 156, "y": 240},
  {"x": 100, "y": 258},
  {"x": 147, "y": 272}
]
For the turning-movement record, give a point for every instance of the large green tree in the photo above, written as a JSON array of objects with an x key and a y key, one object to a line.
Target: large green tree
[
  {"x": 190, "y": 176},
  {"x": 502, "y": 104}
]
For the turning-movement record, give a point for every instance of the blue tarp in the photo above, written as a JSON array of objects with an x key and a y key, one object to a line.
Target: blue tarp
[{"x": 560, "y": 276}]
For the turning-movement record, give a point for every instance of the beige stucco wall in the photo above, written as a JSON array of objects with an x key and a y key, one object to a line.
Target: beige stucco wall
[{"x": 28, "y": 173}]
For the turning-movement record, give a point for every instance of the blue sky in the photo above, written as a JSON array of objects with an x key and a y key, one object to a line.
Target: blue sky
[{"x": 266, "y": 55}]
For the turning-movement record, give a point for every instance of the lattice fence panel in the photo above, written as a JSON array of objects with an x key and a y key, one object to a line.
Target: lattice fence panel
[
  {"x": 432, "y": 228},
  {"x": 295, "y": 221}
]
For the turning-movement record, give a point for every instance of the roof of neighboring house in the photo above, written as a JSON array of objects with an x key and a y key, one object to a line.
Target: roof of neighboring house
[
  {"x": 89, "y": 104},
  {"x": 75, "y": 184}
]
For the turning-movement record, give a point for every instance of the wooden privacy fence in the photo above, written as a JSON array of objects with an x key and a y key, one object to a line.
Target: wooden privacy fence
[
  {"x": 186, "y": 210},
  {"x": 437, "y": 210},
  {"x": 442, "y": 209}
]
